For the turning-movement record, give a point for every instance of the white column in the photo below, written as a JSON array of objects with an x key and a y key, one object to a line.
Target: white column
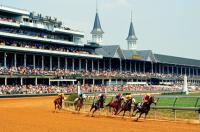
[
  {"x": 72, "y": 64},
  {"x": 79, "y": 64},
  {"x": 5, "y": 56},
  {"x": 36, "y": 81},
  {"x": 49, "y": 82},
  {"x": 181, "y": 70},
  {"x": 58, "y": 62},
  {"x": 83, "y": 81},
  {"x": 24, "y": 60},
  {"x": 6, "y": 80},
  {"x": 51, "y": 67},
  {"x": 193, "y": 72},
  {"x": 15, "y": 59},
  {"x": 65, "y": 63},
  {"x": 92, "y": 64},
  {"x": 21, "y": 81},
  {"x": 34, "y": 61},
  {"x": 42, "y": 62},
  {"x": 120, "y": 65},
  {"x": 152, "y": 67},
  {"x": 93, "y": 82},
  {"x": 86, "y": 65},
  {"x": 172, "y": 69}
]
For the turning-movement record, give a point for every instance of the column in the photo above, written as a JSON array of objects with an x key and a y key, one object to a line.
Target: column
[
  {"x": 109, "y": 82},
  {"x": 21, "y": 81},
  {"x": 72, "y": 64},
  {"x": 65, "y": 63},
  {"x": 110, "y": 64},
  {"x": 42, "y": 62},
  {"x": 181, "y": 70},
  {"x": 15, "y": 60},
  {"x": 167, "y": 69},
  {"x": 159, "y": 68},
  {"x": 135, "y": 66},
  {"x": 50, "y": 63},
  {"x": 6, "y": 81},
  {"x": 125, "y": 66},
  {"x": 79, "y": 64},
  {"x": 193, "y": 72},
  {"x": 93, "y": 82},
  {"x": 98, "y": 65},
  {"x": 83, "y": 81},
  {"x": 189, "y": 71},
  {"x": 86, "y": 64},
  {"x": 177, "y": 70},
  {"x": 92, "y": 64},
  {"x": 130, "y": 66},
  {"x": 172, "y": 69},
  {"x": 144, "y": 67},
  {"x": 36, "y": 81},
  {"x": 5, "y": 56},
  {"x": 58, "y": 62},
  {"x": 33, "y": 61},
  {"x": 24, "y": 60},
  {"x": 120, "y": 65},
  {"x": 185, "y": 70}
]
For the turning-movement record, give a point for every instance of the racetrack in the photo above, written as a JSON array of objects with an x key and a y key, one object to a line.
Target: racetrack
[{"x": 36, "y": 115}]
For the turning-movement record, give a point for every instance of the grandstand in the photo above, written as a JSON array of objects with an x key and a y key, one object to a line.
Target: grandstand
[{"x": 36, "y": 49}]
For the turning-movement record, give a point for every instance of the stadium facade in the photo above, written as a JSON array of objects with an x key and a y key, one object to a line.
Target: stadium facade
[{"x": 33, "y": 46}]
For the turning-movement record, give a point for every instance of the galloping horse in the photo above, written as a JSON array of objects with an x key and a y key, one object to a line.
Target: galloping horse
[
  {"x": 126, "y": 106},
  {"x": 58, "y": 102},
  {"x": 115, "y": 104},
  {"x": 144, "y": 109},
  {"x": 98, "y": 104},
  {"x": 78, "y": 103}
]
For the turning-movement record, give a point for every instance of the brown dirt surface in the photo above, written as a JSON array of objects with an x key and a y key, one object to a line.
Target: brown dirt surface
[{"x": 36, "y": 115}]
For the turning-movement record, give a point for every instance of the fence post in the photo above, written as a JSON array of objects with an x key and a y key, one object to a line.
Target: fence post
[{"x": 174, "y": 115}]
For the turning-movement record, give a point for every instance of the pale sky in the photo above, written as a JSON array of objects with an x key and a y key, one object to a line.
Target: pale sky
[{"x": 170, "y": 27}]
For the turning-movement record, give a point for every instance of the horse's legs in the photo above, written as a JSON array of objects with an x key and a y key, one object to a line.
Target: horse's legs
[
  {"x": 146, "y": 115},
  {"x": 94, "y": 111},
  {"x": 124, "y": 113},
  {"x": 120, "y": 111},
  {"x": 139, "y": 116}
]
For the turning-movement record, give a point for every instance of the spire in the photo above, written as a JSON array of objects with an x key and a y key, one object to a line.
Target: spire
[
  {"x": 97, "y": 25},
  {"x": 131, "y": 39},
  {"x": 131, "y": 34}
]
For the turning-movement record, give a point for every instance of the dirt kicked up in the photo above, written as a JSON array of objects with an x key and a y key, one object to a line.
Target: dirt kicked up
[{"x": 36, "y": 115}]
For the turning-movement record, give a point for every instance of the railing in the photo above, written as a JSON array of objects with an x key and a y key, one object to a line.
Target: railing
[{"x": 174, "y": 107}]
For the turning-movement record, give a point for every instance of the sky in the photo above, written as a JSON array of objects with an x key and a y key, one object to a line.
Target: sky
[{"x": 170, "y": 27}]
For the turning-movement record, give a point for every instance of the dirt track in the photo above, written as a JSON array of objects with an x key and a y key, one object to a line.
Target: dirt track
[{"x": 36, "y": 115}]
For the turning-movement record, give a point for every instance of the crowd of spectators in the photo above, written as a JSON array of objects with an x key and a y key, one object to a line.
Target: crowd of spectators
[
  {"x": 86, "y": 88},
  {"x": 33, "y": 33},
  {"x": 86, "y": 74},
  {"x": 22, "y": 44},
  {"x": 6, "y": 19}
]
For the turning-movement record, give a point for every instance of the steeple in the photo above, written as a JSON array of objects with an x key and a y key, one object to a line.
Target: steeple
[
  {"x": 97, "y": 32},
  {"x": 131, "y": 39}
]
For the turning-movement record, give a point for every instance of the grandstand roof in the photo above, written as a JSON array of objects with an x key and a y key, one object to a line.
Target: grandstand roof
[
  {"x": 114, "y": 51},
  {"x": 176, "y": 60}
]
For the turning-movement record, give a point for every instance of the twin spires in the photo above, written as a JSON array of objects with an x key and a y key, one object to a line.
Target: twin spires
[
  {"x": 131, "y": 39},
  {"x": 97, "y": 33}
]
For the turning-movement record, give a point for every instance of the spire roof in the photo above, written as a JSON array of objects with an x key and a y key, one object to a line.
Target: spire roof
[
  {"x": 97, "y": 25},
  {"x": 131, "y": 34}
]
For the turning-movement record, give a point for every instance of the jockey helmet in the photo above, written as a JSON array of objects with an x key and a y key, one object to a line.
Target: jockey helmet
[{"x": 119, "y": 94}]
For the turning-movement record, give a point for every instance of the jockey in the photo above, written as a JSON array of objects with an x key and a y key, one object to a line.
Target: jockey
[
  {"x": 146, "y": 98},
  {"x": 118, "y": 96},
  {"x": 128, "y": 98}
]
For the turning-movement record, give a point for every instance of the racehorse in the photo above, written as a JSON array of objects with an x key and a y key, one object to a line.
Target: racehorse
[
  {"x": 126, "y": 106},
  {"x": 96, "y": 105},
  {"x": 144, "y": 109},
  {"x": 115, "y": 104},
  {"x": 78, "y": 103},
  {"x": 58, "y": 102}
]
